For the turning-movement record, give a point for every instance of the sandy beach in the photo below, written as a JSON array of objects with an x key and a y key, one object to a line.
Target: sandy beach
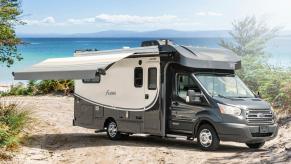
[{"x": 53, "y": 139}]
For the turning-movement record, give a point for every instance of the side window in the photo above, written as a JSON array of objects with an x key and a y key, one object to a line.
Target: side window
[
  {"x": 185, "y": 83},
  {"x": 138, "y": 77},
  {"x": 152, "y": 78},
  {"x": 93, "y": 80}
]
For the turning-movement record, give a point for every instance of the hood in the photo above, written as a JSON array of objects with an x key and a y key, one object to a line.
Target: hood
[{"x": 244, "y": 103}]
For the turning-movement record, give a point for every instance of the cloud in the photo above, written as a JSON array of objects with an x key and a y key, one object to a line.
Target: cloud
[
  {"x": 209, "y": 13},
  {"x": 81, "y": 21},
  {"x": 47, "y": 20},
  {"x": 120, "y": 21}
]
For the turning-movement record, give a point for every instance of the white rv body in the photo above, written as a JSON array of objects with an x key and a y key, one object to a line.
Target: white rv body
[{"x": 116, "y": 89}]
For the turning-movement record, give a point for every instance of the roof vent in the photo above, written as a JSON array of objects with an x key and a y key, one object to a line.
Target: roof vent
[{"x": 159, "y": 42}]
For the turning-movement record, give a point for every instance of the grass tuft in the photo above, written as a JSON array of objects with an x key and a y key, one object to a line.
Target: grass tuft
[{"x": 13, "y": 119}]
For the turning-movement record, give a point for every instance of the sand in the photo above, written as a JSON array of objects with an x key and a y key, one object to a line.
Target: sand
[{"x": 53, "y": 139}]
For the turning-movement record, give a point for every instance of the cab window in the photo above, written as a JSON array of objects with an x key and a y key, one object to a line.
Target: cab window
[{"x": 185, "y": 83}]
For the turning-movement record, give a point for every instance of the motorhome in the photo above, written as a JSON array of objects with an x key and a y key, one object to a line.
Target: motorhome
[{"x": 162, "y": 89}]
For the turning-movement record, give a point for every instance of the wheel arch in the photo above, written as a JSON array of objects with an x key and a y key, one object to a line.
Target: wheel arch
[
  {"x": 201, "y": 122},
  {"x": 107, "y": 121}
]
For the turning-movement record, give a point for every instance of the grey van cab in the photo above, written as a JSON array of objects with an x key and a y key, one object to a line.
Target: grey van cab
[{"x": 236, "y": 114}]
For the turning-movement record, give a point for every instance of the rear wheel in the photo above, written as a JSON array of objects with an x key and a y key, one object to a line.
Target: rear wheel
[
  {"x": 112, "y": 131},
  {"x": 255, "y": 145},
  {"x": 207, "y": 138}
]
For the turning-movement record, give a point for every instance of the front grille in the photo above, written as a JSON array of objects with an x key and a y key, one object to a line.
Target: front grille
[
  {"x": 259, "y": 116},
  {"x": 261, "y": 134}
]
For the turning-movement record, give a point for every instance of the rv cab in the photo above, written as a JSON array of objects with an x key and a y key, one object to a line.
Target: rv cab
[{"x": 162, "y": 89}]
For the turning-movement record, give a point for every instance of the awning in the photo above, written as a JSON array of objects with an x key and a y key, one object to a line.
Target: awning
[{"x": 79, "y": 67}]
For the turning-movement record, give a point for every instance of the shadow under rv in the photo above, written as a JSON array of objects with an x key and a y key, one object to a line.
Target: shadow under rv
[{"x": 162, "y": 89}]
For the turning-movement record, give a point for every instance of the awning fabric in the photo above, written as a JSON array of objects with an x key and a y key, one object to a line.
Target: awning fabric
[{"x": 79, "y": 67}]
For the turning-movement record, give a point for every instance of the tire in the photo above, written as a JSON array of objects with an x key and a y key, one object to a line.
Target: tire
[
  {"x": 207, "y": 138},
  {"x": 255, "y": 145},
  {"x": 112, "y": 131}
]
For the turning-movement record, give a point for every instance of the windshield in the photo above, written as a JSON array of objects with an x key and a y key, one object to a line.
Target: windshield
[{"x": 224, "y": 85}]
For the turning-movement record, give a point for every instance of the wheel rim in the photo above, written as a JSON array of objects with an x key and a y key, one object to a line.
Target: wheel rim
[
  {"x": 205, "y": 138},
  {"x": 112, "y": 129}
]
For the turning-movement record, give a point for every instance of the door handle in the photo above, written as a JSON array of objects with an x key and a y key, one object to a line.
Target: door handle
[
  {"x": 175, "y": 103},
  {"x": 138, "y": 117},
  {"x": 146, "y": 96}
]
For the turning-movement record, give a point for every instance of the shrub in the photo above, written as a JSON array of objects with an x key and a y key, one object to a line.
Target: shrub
[
  {"x": 55, "y": 86},
  {"x": 283, "y": 98},
  {"x": 18, "y": 90},
  {"x": 64, "y": 86},
  {"x": 42, "y": 87},
  {"x": 13, "y": 119}
]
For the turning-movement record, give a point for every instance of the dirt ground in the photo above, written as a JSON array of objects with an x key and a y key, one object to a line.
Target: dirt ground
[{"x": 53, "y": 139}]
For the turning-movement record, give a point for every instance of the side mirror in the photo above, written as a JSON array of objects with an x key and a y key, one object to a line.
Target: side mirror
[
  {"x": 258, "y": 95},
  {"x": 193, "y": 97}
]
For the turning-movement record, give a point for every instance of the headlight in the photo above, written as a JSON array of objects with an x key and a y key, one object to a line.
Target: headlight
[{"x": 231, "y": 110}]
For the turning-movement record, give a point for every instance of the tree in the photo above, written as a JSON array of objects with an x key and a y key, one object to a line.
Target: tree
[
  {"x": 9, "y": 18},
  {"x": 249, "y": 39}
]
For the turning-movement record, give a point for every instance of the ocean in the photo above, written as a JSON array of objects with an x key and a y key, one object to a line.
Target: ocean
[{"x": 39, "y": 49}]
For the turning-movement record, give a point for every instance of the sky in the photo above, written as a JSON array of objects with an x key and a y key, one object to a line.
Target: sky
[{"x": 86, "y": 16}]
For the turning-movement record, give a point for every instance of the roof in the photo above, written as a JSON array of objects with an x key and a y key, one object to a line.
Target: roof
[{"x": 209, "y": 58}]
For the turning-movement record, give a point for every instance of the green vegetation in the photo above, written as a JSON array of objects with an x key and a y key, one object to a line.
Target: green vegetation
[
  {"x": 9, "y": 17},
  {"x": 12, "y": 121},
  {"x": 249, "y": 38},
  {"x": 64, "y": 87}
]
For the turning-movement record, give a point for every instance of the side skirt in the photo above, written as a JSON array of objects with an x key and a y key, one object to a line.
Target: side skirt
[{"x": 92, "y": 116}]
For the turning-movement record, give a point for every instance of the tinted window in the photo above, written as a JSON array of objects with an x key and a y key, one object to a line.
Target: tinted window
[
  {"x": 152, "y": 78},
  {"x": 93, "y": 80},
  {"x": 138, "y": 77},
  {"x": 185, "y": 83}
]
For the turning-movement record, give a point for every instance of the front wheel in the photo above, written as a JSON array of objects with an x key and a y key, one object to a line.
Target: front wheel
[
  {"x": 112, "y": 131},
  {"x": 208, "y": 138},
  {"x": 255, "y": 145}
]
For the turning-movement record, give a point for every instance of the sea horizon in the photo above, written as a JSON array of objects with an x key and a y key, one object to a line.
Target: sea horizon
[{"x": 39, "y": 49}]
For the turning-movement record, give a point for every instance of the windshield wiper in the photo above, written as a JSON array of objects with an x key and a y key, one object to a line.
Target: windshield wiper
[
  {"x": 238, "y": 97},
  {"x": 243, "y": 97},
  {"x": 219, "y": 95}
]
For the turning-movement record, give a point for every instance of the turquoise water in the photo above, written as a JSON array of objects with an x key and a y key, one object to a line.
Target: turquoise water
[{"x": 40, "y": 49}]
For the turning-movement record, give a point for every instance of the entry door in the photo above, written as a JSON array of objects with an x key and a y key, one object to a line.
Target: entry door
[
  {"x": 182, "y": 114},
  {"x": 151, "y": 81},
  {"x": 151, "y": 90}
]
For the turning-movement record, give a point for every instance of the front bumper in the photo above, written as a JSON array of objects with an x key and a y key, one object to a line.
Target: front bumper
[{"x": 246, "y": 133}]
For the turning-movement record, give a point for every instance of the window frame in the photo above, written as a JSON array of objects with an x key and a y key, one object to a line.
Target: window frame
[
  {"x": 156, "y": 78},
  {"x": 134, "y": 77}
]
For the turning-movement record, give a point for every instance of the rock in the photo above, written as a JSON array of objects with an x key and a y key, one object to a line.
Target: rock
[
  {"x": 38, "y": 157},
  {"x": 288, "y": 146}
]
